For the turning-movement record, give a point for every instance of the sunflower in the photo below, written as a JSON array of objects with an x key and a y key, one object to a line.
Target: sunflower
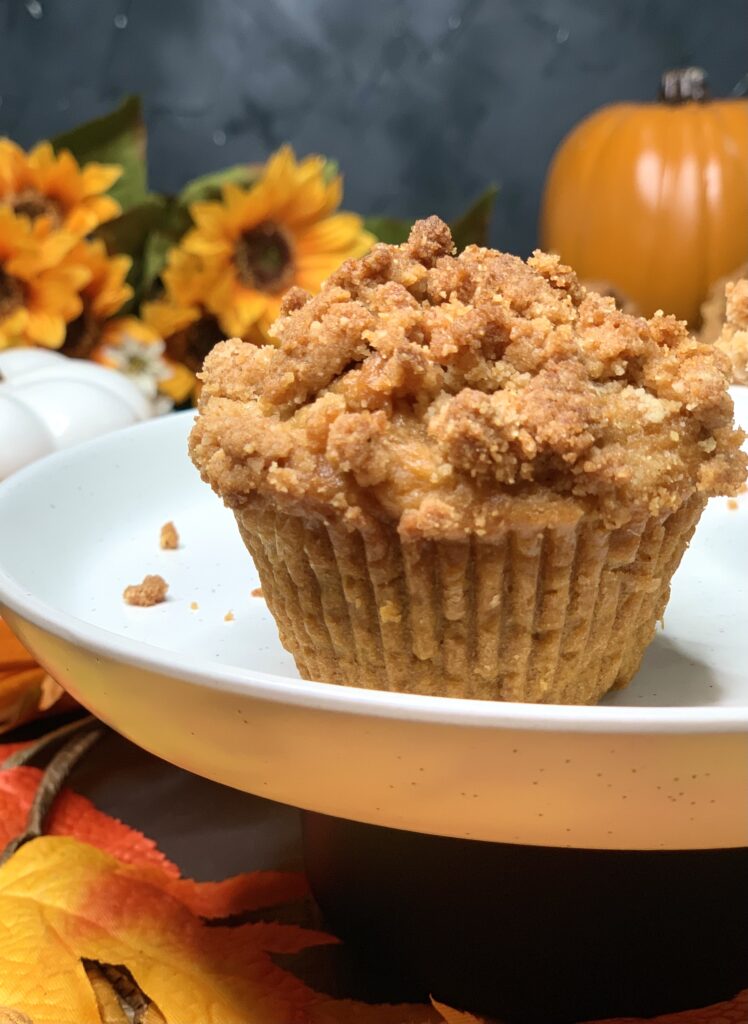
[
  {"x": 54, "y": 189},
  {"x": 105, "y": 294},
  {"x": 246, "y": 249},
  {"x": 39, "y": 282},
  {"x": 189, "y": 330}
]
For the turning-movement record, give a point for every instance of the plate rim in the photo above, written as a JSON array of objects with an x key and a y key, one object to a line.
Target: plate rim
[{"x": 330, "y": 697}]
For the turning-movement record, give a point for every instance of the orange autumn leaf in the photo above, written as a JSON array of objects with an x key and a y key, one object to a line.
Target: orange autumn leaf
[
  {"x": 63, "y": 902},
  {"x": 345, "y": 1011},
  {"x": 25, "y": 688},
  {"x": 69, "y": 910},
  {"x": 732, "y": 1011},
  {"x": 450, "y": 1016},
  {"x": 74, "y": 815}
]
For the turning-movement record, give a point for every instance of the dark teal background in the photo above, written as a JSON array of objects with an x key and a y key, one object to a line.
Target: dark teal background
[{"x": 422, "y": 101}]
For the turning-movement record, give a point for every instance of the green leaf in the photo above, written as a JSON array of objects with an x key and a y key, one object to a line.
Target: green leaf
[
  {"x": 388, "y": 229},
  {"x": 209, "y": 186},
  {"x": 116, "y": 138},
  {"x": 131, "y": 232},
  {"x": 128, "y": 232},
  {"x": 175, "y": 221},
  {"x": 330, "y": 170},
  {"x": 473, "y": 227}
]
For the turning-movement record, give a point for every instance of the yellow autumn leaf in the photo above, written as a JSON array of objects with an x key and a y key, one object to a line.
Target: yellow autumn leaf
[
  {"x": 450, "y": 1016},
  {"x": 8, "y": 1016},
  {"x": 63, "y": 902}
]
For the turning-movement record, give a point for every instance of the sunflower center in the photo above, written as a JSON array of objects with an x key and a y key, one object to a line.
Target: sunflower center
[
  {"x": 82, "y": 336},
  {"x": 11, "y": 294},
  {"x": 192, "y": 345},
  {"x": 32, "y": 204},
  {"x": 264, "y": 258}
]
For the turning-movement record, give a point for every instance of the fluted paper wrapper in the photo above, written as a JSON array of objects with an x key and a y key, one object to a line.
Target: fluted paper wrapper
[{"x": 560, "y": 615}]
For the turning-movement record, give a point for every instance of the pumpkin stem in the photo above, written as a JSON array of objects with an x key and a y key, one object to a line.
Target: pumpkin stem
[{"x": 683, "y": 85}]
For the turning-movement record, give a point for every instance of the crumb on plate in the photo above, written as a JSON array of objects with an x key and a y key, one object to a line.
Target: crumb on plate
[
  {"x": 151, "y": 591},
  {"x": 257, "y": 592},
  {"x": 169, "y": 537},
  {"x": 194, "y": 606},
  {"x": 228, "y": 617},
  {"x": 732, "y": 504}
]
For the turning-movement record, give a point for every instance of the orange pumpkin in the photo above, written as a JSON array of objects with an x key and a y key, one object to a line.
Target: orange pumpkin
[{"x": 654, "y": 197}]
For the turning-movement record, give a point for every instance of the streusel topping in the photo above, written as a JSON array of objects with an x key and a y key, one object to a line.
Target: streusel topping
[
  {"x": 733, "y": 340},
  {"x": 458, "y": 395}
]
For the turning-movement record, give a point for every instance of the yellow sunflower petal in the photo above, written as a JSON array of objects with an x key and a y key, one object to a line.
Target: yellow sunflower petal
[
  {"x": 209, "y": 216},
  {"x": 12, "y": 167},
  {"x": 52, "y": 293},
  {"x": 98, "y": 178},
  {"x": 311, "y": 278},
  {"x": 236, "y": 308},
  {"x": 338, "y": 233},
  {"x": 50, "y": 251},
  {"x": 311, "y": 202},
  {"x": 42, "y": 156},
  {"x": 115, "y": 331},
  {"x": 46, "y": 329},
  {"x": 61, "y": 177},
  {"x": 201, "y": 244},
  {"x": 166, "y": 319},
  {"x": 279, "y": 172},
  {"x": 84, "y": 218},
  {"x": 13, "y": 328},
  {"x": 180, "y": 384},
  {"x": 244, "y": 208},
  {"x": 272, "y": 311}
]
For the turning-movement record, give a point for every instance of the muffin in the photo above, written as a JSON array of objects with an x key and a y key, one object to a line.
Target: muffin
[
  {"x": 733, "y": 339},
  {"x": 466, "y": 475}
]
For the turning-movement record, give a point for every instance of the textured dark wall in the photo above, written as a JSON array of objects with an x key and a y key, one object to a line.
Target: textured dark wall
[{"x": 422, "y": 101}]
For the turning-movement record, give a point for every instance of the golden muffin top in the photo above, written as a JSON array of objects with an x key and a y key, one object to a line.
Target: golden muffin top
[
  {"x": 458, "y": 395},
  {"x": 733, "y": 340}
]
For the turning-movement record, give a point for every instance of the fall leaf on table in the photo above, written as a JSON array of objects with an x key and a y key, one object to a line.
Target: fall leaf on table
[
  {"x": 74, "y": 815},
  {"x": 70, "y": 910},
  {"x": 732, "y": 1011},
  {"x": 63, "y": 902},
  {"x": 105, "y": 932},
  {"x": 450, "y": 1016},
  {"x": 26, "y": 691},
  {"x": 347, "y": 1011}
]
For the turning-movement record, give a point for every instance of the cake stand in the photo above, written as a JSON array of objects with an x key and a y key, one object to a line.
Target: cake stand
[{"x": 540, "y": 863}]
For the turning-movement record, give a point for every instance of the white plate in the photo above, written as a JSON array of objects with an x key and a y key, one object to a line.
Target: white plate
[{"x": 661, "y": 765}]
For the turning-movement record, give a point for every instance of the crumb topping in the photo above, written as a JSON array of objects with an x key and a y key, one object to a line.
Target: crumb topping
[
  {"x": 151, "y": 591},
  {"x": 169, "y": 538},
  {"x": 733, "y": 340},
  {"x": 459, "y": 395}
]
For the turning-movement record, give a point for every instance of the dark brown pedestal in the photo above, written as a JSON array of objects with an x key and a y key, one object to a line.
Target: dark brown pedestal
[{"x": 534, "y": 935}]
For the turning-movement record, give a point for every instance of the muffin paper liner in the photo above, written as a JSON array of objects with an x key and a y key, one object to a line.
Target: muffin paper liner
[{"x": 560, "y": 615}]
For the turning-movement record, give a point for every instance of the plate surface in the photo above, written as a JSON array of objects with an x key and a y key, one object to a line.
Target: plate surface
[{"x": 660, "y": 765}]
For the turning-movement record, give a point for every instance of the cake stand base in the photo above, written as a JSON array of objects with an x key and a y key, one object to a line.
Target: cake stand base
[{"x": 536, "y": 935}]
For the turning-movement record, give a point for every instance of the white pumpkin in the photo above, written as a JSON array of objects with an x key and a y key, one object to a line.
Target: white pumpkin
[{"x": 49, "y": 402}]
